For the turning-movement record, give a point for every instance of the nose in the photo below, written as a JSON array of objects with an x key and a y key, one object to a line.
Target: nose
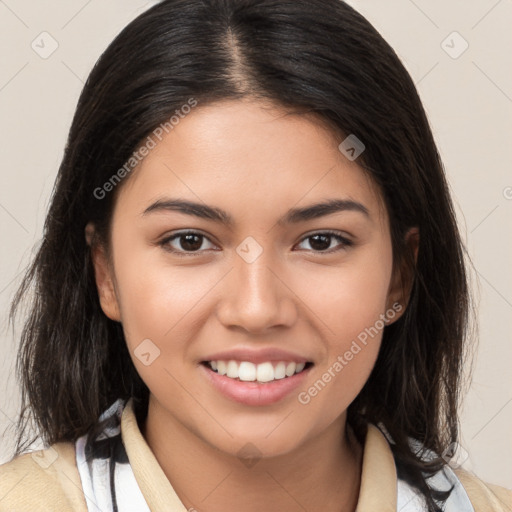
[{"x": 256, "y": 297}]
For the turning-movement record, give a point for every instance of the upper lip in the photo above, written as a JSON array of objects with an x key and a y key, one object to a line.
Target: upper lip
[{"x": 257, "y": 356}]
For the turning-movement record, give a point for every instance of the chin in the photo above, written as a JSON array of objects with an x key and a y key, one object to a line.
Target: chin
[{"x": 254, "y": 442}]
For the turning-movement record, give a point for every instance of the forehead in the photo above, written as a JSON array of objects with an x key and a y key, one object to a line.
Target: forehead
[{"x": 251, "y": 155}]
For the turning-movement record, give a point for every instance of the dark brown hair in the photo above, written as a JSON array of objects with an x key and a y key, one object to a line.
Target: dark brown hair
[{"x": 317, "y": 56}]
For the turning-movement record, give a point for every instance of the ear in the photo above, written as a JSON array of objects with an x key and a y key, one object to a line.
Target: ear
[
  {"x": 103, "y": 275},
  {"x": 403, "y": 274}
]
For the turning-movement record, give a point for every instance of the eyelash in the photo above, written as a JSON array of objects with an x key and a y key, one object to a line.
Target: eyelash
[{"x": 345, "y": 242}]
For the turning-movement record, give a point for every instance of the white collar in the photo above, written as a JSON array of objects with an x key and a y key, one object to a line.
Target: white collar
[{"x": 140, "y": 484}]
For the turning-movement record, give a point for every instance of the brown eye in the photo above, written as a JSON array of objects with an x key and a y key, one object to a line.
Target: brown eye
[
  {"x": 186, "y": 242},
  {"x": 321, "y": 242},
  {"x": 190, "y": 242}
]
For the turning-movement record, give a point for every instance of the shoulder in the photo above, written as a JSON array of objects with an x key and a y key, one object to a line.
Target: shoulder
[
  {"x": 484, "y": 496},
  {"x": 468, "y": 493},
  {"x": 42, "y": 480}
]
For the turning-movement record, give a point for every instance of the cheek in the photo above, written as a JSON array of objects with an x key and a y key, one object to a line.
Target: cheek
[
  {"x": 349, "y": 298},
  {"x": 352, "y": 323},
  {"x": 339, "y": 306},
  {"x": 153, "y": 297},
  {"x": 158, "y": 301},
  {"x": 158, "y": 304}
]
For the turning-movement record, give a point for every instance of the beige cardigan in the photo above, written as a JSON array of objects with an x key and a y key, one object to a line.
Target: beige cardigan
[{"x": 48, "y": 480}]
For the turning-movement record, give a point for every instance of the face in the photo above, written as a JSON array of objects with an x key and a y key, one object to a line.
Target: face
[{"x": 253, "y": 273}]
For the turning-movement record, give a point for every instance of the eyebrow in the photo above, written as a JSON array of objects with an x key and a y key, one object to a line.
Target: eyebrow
[{"x": 293, "y": 216}]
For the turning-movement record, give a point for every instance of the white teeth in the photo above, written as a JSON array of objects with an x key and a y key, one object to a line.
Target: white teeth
[
  {"x": 265, "y": 372},
  {"x": 221, "y": 367},
  {"x": 249, "y": 372},
  {"x": 280, "y": 371},
  {"x": 290, "y": 369},
  {"x": 232, "y": 369},
  {"x": 300, "y": 367}
]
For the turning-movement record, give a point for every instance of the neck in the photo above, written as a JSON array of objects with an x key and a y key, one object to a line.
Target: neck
[{"x": 322, "y": 474}]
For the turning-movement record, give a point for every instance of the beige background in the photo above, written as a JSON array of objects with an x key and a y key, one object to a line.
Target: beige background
[{"x": 467, "y": 95}]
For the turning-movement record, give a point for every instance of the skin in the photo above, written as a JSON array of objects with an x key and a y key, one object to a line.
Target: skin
[{"x": 255, "y": 162}]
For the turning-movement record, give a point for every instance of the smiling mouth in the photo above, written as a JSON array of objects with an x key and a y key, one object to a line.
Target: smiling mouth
[{"x": 245, "y": 371}]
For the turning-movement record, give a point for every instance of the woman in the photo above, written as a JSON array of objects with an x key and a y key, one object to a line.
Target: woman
[{"x": 251, "y": 291}]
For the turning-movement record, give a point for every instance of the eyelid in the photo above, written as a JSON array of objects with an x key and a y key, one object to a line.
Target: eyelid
[
  {"x": 172, "y": 236},
  {"x": 340, "y": 235},
  {"x": 345, "y": 240},
  {"x": 334, "y": 232}
]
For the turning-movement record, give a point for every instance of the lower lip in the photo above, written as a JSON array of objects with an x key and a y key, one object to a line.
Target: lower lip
[{"x": 254, "y": 393}]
